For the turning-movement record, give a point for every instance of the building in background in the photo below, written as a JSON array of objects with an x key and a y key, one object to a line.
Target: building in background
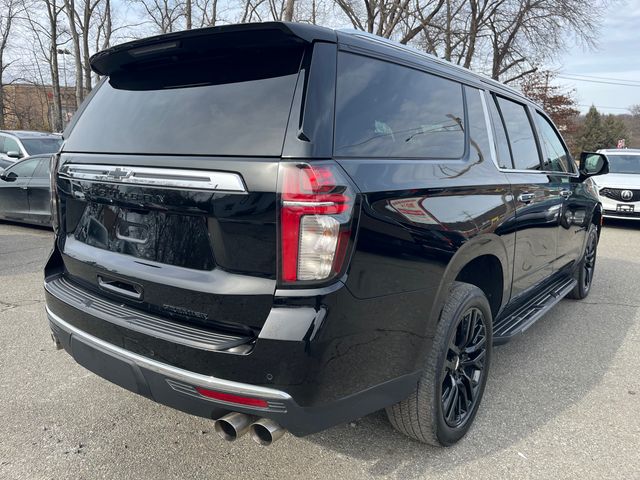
[{"x": 30, "y": 107}]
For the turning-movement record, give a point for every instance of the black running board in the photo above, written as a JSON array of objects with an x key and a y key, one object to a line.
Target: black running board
[{"x": 522, "y": 318}]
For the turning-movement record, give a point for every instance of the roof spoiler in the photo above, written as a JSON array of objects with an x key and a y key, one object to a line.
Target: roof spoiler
[{"x": 120, "y": 57}]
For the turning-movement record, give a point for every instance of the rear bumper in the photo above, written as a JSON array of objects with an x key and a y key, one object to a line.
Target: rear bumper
[{"x": 177, "y": 387}]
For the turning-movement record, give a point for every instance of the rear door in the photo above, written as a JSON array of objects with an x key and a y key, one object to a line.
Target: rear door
[
  {"x": 38, "y": 193},
  {"x": 14, "y": 203},
  {"x": 538, "y": 204}
]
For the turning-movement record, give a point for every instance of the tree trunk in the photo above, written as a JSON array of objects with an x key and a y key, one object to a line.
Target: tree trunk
[
  {"x": 188, "y": 14},
  {"x": 86, "y": 26},
  {"x": 52, "y": 12},
  {"x": 58, "y": 123},
  {"x": 2, "y": 126},
  {"x": 288, "y": 11},
  {"x": 70, "y": 8}
]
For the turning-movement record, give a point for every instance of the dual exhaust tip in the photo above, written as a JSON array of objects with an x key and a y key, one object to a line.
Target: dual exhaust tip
[{"x": 234, "y": 425}]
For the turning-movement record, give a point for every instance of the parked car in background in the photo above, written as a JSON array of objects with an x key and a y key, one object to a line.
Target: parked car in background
[
  {"x": 25, "y": 191},
  {"x": 340, "y": 224},
  {"x": 17, "y": 144},
  {"x": 619, "y": 190}
]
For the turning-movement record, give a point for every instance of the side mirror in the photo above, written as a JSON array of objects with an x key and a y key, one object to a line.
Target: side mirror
[
  {"x": 592, "y": 164},
  {"x": 14, "y": 154},
  {"x": 8, "y": 177}
]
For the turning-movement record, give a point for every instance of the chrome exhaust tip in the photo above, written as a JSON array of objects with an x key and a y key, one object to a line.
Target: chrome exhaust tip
[
  {"x": 265, "y": 432},
  {"x": 233, "y": 425}
]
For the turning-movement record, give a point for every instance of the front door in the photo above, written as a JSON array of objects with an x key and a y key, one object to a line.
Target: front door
[{"x": 576, "y": 202}]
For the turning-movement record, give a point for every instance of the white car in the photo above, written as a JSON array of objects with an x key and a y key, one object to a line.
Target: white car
[{"x": 619, "y": 190}]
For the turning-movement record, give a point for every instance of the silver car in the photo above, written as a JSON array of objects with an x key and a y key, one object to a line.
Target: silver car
[{"x": 619, "y": 190}]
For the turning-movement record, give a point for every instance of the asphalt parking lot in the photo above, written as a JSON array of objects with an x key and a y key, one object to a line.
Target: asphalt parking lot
[{"x": 563, "y": 401}]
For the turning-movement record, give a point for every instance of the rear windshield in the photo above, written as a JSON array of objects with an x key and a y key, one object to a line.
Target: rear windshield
[
  {"x": 38, "y": 146},
  {"x": 236, "y": 103}
]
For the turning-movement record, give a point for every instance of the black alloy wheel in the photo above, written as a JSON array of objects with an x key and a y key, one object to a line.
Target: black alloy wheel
[
  {"x": 464, "y": 368},
  {"x": 589, "y": 263}
]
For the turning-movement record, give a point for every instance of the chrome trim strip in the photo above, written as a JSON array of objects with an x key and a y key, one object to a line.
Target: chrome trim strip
[
  {"x": 620, "y": 217},
  {"x": 293, "y": 203},
  {"x": 170, "y": 371},
  {"x": 157, "y": 177}
]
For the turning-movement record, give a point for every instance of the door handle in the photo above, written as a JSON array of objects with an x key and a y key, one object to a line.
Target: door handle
[
  {"x": 121, "y": 288},
  {"x": 23, "y": 187},
  {"x": 565, "y": 193},
  {"x": 526, "y": 197}
]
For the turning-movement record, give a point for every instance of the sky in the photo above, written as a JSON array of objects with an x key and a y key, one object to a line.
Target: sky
[{"x": 616, "y": 57}]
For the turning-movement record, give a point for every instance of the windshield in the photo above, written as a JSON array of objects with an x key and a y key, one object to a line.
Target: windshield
[
  {"x": 38, "y": 146},
  {"x": 235, "y": 102},
  {"x": 624, "y": 163}
]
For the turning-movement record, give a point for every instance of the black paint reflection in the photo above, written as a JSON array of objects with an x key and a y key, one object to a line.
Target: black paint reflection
[{"x": 158, "y": 236}]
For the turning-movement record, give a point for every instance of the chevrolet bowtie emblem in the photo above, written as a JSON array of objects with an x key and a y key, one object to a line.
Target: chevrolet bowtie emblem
[{"x": 119, "y": 173}]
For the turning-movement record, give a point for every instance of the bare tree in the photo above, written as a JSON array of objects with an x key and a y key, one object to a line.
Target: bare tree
[
  {"x": 165, "y": 15},
  {"x": 524, "y": 33},
  {"x": 43, "y": 20},
  {"x": 9, "y": 9},
  {"x": 70, "y": 8},
  {"x": 400, "y": 19}
]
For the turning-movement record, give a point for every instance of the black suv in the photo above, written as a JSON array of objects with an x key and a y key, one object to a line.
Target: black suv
[{"x": 284, "y": 227}]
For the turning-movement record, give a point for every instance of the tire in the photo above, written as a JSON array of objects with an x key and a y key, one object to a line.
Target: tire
[
  {"x": 422, "y": 416},
  {"x": 586, "y": 267}
]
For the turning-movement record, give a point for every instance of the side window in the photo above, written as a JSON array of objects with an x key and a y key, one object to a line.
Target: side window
[
  {"x": 387, "y": 110},
  {"x": 2, "y": 149},
  {"x": 24, "y": 169},
  {"x": 10, "y": 145},
  {"x": 521, "y": 138},
  {"x": 501, "y": 141},
  {"x": 42, "y": 169},
  {"x": 478, "y": 133},
  {"x": 554, "y": 156}
]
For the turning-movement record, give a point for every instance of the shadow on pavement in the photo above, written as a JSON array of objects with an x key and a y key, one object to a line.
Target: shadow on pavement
[{"x": 533, "y": 379}]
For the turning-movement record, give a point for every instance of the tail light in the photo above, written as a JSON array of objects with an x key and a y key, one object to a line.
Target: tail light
[{"x": 315, "y": 220}]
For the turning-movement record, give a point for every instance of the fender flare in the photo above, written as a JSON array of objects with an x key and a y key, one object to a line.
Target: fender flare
[{"x": 486, "y": 244}]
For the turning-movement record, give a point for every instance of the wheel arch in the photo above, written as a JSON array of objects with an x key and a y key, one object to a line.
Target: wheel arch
[{"x": 479, "y": 262}]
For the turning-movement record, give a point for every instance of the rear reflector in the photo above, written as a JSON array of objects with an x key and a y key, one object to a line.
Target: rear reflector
[{"x": 227, "y": 397}]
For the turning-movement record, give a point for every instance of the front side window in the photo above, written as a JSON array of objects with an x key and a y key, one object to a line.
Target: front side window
[
  {"x": 42, "y": 170},
  {"x": 387, "y": 110},
  {"x": 24, "y": 169},
  {"x": 11, "y": 145},
  {"x": 521, "y": 138},
  {"x": 555, "y": 157}
]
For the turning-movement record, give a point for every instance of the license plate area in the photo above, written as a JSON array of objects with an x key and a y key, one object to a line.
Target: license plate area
[
  {"x": 172, "y": 238},
  {"x": 625, "y": 208}
]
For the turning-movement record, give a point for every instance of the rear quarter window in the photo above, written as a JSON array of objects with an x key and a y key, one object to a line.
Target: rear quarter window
[{"x": 388, "y": 110}]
